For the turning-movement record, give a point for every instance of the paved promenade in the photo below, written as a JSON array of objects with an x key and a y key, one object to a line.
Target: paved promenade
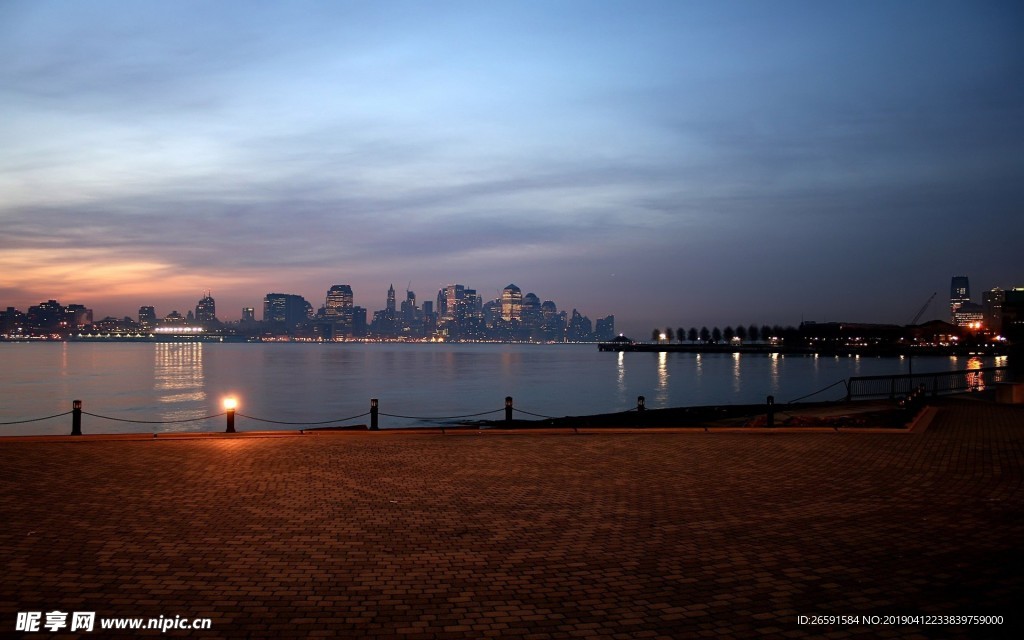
[{"x": 539, "y": 535}]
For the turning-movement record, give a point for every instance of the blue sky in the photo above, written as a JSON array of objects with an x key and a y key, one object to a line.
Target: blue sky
[{"x": 673, "y": 163}]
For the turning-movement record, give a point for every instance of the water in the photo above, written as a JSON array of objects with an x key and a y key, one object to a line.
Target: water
[{"x": 302, "y": 382}]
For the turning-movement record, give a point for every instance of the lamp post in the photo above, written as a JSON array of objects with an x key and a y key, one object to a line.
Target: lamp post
[{"x": 230, "y": 404}]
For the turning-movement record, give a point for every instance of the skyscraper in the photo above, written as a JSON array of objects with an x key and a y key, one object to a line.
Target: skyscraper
[
  {"x": 959, "y": 294},
  {"x": 338, "y": 306},
  {"x": 992, "y": 303},
  {"x": 206, "y": 310},
  {"x": 454, "y": 307},
  {"x": 410, "y": 313},
  {"x": 511, "y": 303},
  {"x": 286, "y": 308},
  {"x": 604, "y": 330}
]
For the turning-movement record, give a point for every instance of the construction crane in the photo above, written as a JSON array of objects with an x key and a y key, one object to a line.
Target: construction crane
[{"x": 923, "y": 307}]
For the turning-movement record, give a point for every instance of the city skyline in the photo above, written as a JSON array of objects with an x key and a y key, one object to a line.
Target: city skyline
[
  {"x": 510, "y": 316},
  {"x": 659, "y": 161}
]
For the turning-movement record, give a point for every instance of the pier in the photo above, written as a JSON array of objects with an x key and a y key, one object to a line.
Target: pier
[{"x": 537, "y": 534}]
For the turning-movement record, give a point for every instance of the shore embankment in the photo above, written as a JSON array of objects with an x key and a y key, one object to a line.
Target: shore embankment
[{"x": 820, "y": 350}]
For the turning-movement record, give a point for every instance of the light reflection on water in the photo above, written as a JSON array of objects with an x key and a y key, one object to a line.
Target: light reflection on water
[
  {"x": 310, "y": 382},
  {"x": 621, "y": 367},
  {"x": 773, "y": 360},
  {"x": 179, "y": 382},
  {"x": 736, "y": 386},
  {"x": 975, "y": 380},
  {"x": 662, "y": 396}
]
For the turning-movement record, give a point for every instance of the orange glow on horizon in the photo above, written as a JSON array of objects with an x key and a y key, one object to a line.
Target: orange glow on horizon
[{"x": 95, "y": 276}]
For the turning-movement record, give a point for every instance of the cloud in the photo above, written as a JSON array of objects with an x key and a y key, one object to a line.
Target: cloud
[{"x": 745, "y": 155}]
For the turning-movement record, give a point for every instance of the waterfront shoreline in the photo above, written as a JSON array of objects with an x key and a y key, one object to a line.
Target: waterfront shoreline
[
  {"x": 770, "y": 349},
  {"x": 987, "y": 349},
  {"x": 873, "y": 415}
]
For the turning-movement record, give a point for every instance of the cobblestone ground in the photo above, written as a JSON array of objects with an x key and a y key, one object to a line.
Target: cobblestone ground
[{"x": 624, "y": 535}]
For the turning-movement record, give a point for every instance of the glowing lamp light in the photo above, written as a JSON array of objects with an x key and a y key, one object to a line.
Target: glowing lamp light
[
  {"x": 663, "y": 336},
  {"x": 230, "y": 403}
]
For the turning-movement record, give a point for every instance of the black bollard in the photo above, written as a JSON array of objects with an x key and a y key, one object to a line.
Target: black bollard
[
  {"x": 641, "y": 403},
  {"x": 373, "y": 414},
  {"x": 508, "y": 408},
  {"x": 76, "y": 417},
  {"x": 771, "y": 411}
]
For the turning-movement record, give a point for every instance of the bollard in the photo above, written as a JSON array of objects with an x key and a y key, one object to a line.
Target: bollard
[
  {"x": 641, "y": 403},
  {"x": 230, "y": 404},
  {"x": 76, "y": 417},
  {"x": 508, "y": 408},
  {"x": 771, "y": 411},
  {"x": 373, "y": 414}
]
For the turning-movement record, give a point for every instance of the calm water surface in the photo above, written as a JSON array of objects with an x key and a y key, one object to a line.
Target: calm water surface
[{"x": 300, "y": 382}]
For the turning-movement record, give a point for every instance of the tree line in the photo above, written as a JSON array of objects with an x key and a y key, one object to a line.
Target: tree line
[{"x": 751, "y": 333}]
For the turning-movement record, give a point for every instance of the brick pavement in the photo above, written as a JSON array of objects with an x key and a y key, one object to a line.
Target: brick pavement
[{"x": 610, "y": 535}]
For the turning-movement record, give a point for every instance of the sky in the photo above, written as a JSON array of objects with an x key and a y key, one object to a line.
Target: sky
[{"x": 671, "y": 163}]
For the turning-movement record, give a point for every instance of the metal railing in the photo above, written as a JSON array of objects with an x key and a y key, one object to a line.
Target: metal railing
[{"x": 934, "y": 383}]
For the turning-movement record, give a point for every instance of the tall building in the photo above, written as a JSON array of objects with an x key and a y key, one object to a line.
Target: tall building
[
  {"x": 248, "y": 314},
  {"x": 385, "y": 324},
  {"x": 454, "y": 307},
  {"x": 359, "y": 322},
  {"x": 47, "y": 316},
  {"x": 553, "y": 322},
  {"x": 77, "y": 316},
  {"x": 511, "y": 303},
  {"x": 12, "y": 322},
  {"x": 411, "y": 316},
  {"x": 959, "y": 294},
  {"x": 530, "y": 316},
  {"x": 206, "y": 310},
  {"x": 286, "y": 309},
  {"x": 442, "y": 302},
  {"x": 147, "y": 317},
  {"x": 1013, "y": 328},
  {"x": 604, "y": 331},
  {"x": 1013, "y": 320},
  {"x": 338, "y": 306},
  {"x": 992, "y": 305},
  {"x": 580, "y": 329}
]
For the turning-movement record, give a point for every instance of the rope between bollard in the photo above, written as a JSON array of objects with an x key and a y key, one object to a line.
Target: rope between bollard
[
  {"x": 242, "y": 415},
  {"x": 427, "y": 419},
  {"x": 538, "y": 415},
  {"x": 86, "y": 413},
  {"x": 37, "y": 419},
  {"x": 818, "y": 391}
]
